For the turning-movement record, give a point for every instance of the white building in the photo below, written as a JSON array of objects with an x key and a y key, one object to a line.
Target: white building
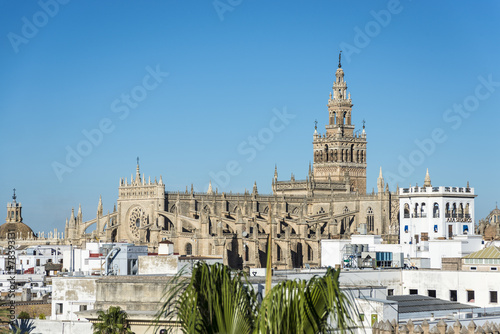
[
  {"x": 32, "y": 259},
  {"x": 437, "y": 222},
  {"x": 346, "y": 252},
  {"x": 104, "y": 259}
]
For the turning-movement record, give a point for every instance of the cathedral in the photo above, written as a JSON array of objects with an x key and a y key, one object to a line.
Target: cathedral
[{"x": 331, "y": 203}]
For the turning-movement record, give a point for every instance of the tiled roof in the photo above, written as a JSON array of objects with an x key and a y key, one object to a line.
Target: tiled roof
[{"x": 491, "y": 252}]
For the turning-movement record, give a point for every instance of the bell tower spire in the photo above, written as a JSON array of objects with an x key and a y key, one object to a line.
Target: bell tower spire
[{"x": 341, "y": 150}]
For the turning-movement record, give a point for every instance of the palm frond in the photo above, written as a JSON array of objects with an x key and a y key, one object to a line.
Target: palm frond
[
  {"x": 214, "y": 301},
  {"x": 299, "y": 306}
]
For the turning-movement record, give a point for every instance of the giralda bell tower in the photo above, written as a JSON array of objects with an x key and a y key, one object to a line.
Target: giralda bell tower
[{"x": 340, "y": 154}]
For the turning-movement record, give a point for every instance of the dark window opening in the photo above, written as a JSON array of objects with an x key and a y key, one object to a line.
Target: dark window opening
[
  {"x": 431, "y": 293},
  {"x": 390, "y": 292},
  {"x": 493, "y": 297},
  {"x": 453, "y": 295},
  {"x": 413, "y": 291},
  {"x": 470, "y": 296}
]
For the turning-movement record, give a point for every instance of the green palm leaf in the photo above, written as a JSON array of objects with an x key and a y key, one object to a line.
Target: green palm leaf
[{"x": 214, "y": 300}]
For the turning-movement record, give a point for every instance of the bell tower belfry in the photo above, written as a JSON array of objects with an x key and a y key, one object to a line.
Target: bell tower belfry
[
  {"x": 14, "y": 211},
  {"x": 340, "y": 153}
]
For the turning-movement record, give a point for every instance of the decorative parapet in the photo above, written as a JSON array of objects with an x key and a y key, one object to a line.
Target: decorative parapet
[
  {"x": 385, "y": 327},
  {"x": 436, "y": 190}
]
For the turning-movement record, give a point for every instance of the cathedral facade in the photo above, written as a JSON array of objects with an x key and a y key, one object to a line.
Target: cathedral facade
[{"x": 330, "y": 203}]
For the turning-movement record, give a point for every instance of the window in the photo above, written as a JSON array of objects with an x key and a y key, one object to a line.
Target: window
[
  {"x": 493, "y": 268},
  {"x": 59, "y": 308},
  {"x": 470, "y": 296},
  {"x": 493, "y": 297},
  {"x": 189, "y": 249},
  {"x": 453, "y": 295},
  {"x": 390, "y": 292},
  {"x": 38, "y": 262},
  {"x": 436, "y": 210},
  {"x": 370, "y": 219},
  {"x": 473, "y": 268},
  {"x": 27, "y": 261},
  {"x": 431, "y": 293},
  {"x": 413, "y": 291},
  {"x": 83, "y": 308}
]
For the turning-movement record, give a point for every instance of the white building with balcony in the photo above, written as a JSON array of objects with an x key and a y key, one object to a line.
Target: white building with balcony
[{"x": 437, "y": 222}]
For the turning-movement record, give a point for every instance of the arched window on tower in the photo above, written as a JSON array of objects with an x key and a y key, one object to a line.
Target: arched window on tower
[
  {"x": 310, "y": 254},
  {"x": 447, "y": 211},
  {"x": 467, "y": 211},
  {"x": 352, "y": 153},
  {"x": 460, "y": 210},
  {"x": 370, "y": 220},
  {"x": 278, "y": 253},
  {"x": 189, "y": 249},
  {"x": 407, "y": 210},
  {"x": 423, "y": 210},
  {"x": 454, "y": 211},
  {"x": 435, "y": 211}
]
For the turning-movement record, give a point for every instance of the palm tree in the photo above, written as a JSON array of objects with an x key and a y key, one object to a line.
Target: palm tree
[
  {"x": 113, "y": 321},
  {"x": 22, "y": 326},
  {"x": 215, "y": 301}
]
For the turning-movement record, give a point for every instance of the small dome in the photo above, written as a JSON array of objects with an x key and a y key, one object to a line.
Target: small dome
[{"x": 22, "y": 228}]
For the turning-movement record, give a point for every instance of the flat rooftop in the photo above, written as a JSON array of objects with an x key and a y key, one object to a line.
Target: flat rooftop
[{"x": 418, "y": 303}]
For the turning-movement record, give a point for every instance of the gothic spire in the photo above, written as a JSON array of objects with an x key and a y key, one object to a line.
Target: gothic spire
[
  {"x": 137, "y": 173},
  {"x": 99, "y": 206},
  {"x": 380, "y": 182},
  {"x": 427, "y": 181}
]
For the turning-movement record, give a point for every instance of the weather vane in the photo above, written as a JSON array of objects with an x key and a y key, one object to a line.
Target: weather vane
[
  {"x": 14, "y": 196},
  {"x": 364, "y": 123},
  {"x": 315, "y": 124},
  {"x": 340, "y": 53},
  {"x": 137, "y": 161}
]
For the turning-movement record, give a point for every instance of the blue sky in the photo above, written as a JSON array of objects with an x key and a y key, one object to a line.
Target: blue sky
[{"x": 418, "y": 72}]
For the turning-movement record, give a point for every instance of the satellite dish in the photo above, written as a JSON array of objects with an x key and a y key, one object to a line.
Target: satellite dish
[{"x": 245, "y": 234}]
